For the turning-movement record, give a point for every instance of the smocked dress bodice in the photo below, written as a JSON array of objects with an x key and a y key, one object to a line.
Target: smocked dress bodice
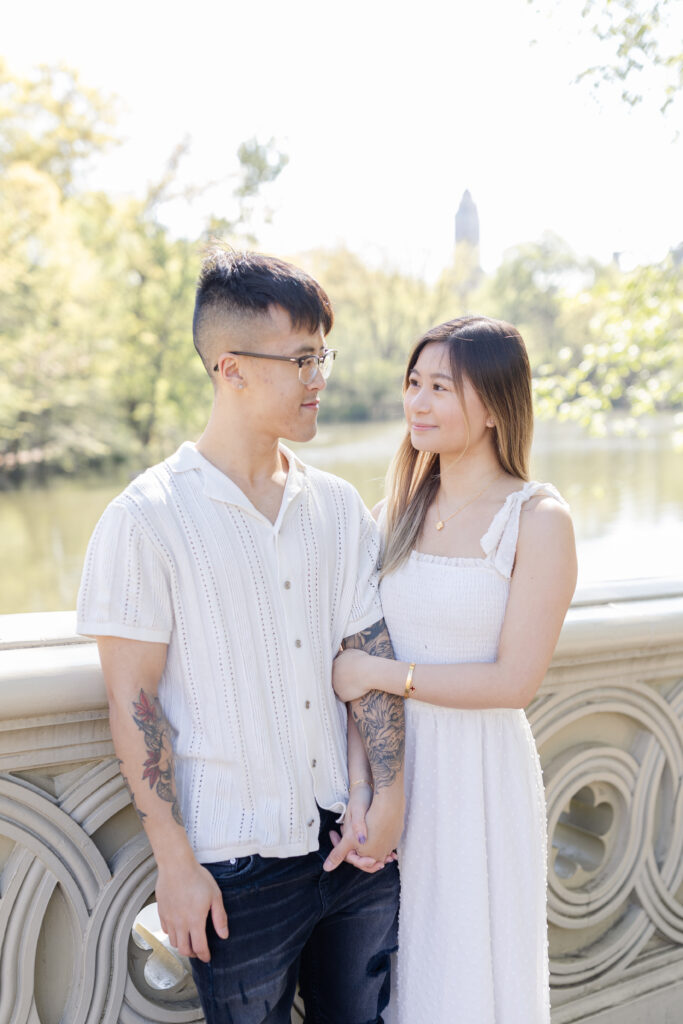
[{"x": 440, "y": 609}]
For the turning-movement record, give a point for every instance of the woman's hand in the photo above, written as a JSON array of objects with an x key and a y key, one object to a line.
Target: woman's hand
[
  {"x": 350, "y": 674},
  {"x": 360, "y": 798},
  {"x": 355, "y": 831},
  {"x": 354, "y": 835}
]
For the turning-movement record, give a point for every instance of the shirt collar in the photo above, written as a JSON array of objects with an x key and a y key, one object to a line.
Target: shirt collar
[{"x": 219, "y": 487}]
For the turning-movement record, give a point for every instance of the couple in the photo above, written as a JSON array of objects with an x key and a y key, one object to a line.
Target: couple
[{"x": 221, "y": 585}]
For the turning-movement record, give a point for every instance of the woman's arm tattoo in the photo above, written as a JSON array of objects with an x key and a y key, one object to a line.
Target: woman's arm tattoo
[
  {"x": 379, "y": 716},
  {"x": 158, "y": 768}
]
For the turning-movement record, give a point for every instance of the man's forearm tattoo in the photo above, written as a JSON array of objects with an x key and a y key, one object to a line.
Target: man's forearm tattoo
[
  {"x": 381, "y": 723},
  {"x": 373, "y": 640},
  {"x": 379, "y": 716},
  {"x": 158, "y": 768}
]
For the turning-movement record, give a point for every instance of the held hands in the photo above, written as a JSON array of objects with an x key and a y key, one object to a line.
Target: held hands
[
  {"x": 351, "y": 674},
  {"x": 385, "y": 825},
  {"x": 349, "y": 846},
  {"x": 369, "y": 836},
  {"x": 186, "y": 894}
]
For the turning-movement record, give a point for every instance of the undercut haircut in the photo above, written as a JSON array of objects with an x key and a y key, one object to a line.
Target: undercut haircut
[{"x": 236, "y": 285}]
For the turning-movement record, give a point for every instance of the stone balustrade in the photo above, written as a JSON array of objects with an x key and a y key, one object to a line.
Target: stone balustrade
[{"x": 78, "y": 947}]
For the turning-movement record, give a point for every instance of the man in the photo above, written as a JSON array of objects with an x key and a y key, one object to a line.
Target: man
[{"x": 219, "y": 586}]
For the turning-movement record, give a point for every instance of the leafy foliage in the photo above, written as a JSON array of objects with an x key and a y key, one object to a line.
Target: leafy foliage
[
  {"x": 643, "y": 52},
  {"x": 640, "y": 39},
  {"x": 633, "y": 360},
  {"x": 600, "y": 340},
  {"x": 53, "y": 122},
  {"x": 96, "y": 296}
]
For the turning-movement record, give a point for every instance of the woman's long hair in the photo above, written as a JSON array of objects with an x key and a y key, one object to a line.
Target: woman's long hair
[{"x": 492, "y": 356}]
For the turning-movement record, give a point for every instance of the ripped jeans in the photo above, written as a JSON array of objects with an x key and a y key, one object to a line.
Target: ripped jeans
[{"x": 291, "y": 920}]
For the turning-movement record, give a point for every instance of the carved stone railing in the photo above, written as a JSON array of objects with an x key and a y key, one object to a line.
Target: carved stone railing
[
  {"x": 76, "y": 870},
  {"x": 608, "y": 723}
]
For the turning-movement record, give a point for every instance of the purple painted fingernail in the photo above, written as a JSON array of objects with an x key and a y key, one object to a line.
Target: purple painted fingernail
[{"x": 361, "y": 838}]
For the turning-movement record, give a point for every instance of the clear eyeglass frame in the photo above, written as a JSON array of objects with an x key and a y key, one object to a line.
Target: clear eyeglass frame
[{"x": 308, "y": 365}]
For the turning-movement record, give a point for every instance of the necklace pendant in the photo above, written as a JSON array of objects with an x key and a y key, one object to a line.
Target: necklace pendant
[{"x": 439, "y": 525}]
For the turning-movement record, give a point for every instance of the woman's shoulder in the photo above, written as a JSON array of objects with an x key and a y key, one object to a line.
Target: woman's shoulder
[
  {"x": 545, "y": 516},
  {"x": 514, "y": 496},
  {"x": 543, "y": 498}
]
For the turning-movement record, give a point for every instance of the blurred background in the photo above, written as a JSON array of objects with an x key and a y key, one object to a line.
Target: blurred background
[{"x": 518, "y": 159}]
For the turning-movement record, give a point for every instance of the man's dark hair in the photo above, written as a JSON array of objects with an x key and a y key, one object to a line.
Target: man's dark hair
[{"x": 240, "y": 284}]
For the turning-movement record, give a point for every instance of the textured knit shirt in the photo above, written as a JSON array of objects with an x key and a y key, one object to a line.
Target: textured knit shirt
[{"x": 253, "y": 613}]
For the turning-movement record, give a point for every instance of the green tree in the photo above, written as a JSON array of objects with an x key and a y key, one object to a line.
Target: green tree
[
  {"x": 643, "y": 52},
  {"x": 96, "y": 359},
  {"x": 640, "y": 39},
  {"x": 149, "y": 281},
  {"x": 53, "y": 122},
  {"x": 530, "y": 289},
  {"x": 379, "y": 314},
  {"x": 459, "y": 288},
  {"x": 53, "y": 404},
  {"x": 633, "y": 360}
]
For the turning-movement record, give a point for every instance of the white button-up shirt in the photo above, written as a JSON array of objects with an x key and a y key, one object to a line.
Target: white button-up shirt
[{"x": 253, "y": 613}]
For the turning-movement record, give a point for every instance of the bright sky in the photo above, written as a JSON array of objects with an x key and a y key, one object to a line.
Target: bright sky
[{"x": 387, "y": 110}]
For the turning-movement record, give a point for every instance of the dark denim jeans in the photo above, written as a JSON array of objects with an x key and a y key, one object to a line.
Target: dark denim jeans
[{"x": 289, "y": 919}]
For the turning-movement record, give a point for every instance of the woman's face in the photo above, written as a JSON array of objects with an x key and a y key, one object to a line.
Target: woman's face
[{"x": 434, "y": 411}]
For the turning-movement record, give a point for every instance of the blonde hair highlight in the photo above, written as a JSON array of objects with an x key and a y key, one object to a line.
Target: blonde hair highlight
[{"x": 492, "y": 356}]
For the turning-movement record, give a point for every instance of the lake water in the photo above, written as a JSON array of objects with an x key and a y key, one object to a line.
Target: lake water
[{"x": 626, "y": 496}]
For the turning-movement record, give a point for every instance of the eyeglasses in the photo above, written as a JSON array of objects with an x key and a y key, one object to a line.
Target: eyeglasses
[{"x": 308, "y": 365}]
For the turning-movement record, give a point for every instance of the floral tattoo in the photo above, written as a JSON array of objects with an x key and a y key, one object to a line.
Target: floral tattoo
[
  {"x": 158, "y": 767},
  {"x": 141, "y": 814}
]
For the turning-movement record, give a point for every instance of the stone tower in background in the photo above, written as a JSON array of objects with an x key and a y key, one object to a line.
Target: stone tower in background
[
  {"x": 467, "y": 221},
  {"x": 466, "y": 272}
]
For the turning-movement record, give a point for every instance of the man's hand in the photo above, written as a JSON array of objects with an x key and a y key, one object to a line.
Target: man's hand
[
  {"x": 350, "y": 674},
  {"x": 186, "y": 894}
]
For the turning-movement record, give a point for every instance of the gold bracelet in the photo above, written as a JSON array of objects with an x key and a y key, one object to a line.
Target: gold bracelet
[
  {"x": 409, "y": 688},
  {"x": 360, "y": 782}
]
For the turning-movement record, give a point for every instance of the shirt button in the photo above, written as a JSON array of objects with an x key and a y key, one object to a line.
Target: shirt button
[
  {"x": 311, "y": 822},
  {"x": 287, "y": 584},
  {"x": 297, "y": 643},
  {"x": 307, "y": 704},
  {"x": 313, "y": 763}
]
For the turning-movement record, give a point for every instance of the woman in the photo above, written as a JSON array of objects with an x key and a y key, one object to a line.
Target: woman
[{"x": 479, "y": 567}]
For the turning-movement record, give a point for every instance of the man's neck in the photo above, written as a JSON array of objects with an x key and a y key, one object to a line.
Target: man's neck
[{"x": 251, "y": 460}]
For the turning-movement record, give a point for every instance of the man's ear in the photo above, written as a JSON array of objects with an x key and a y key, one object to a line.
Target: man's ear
[{"x": 229, "y": 370}]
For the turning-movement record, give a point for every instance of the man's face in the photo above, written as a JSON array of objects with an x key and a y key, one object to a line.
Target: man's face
[{"x": 274, "y": 400}]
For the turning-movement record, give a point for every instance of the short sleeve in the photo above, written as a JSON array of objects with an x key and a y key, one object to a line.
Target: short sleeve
[
  {"x": 125, "y": 587},
  {"x": 366, "y": 607}
]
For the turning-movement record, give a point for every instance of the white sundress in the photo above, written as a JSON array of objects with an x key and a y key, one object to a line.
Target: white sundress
[{"x": 472, "y": 923}]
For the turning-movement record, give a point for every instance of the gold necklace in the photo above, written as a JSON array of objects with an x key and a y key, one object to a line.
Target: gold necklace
[{"x": 440, "y": 523}]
